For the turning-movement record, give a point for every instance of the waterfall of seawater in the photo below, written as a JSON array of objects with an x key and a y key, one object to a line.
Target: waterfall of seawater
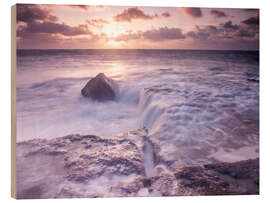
[{"x": 148, "y": 158}]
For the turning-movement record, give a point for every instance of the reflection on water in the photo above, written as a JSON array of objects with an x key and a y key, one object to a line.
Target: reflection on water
[{"x": 116, "y": 70}]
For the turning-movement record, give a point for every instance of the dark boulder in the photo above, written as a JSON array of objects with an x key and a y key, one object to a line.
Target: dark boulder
[{"x": 100, "y": 88}]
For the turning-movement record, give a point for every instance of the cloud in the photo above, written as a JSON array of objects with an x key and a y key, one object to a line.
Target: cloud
[
  {"x": 218, "y": 14},
  {"x": 192, "y": 12},
  {"x": 223, "y": 31},
  {"x": 86, "y": 7},
  {"x": 251, "y": 10},
  {"x": 42, "y": 29},
  {"x": 98, "y": 23},
  {"x": 55, "y": 35},
  {"x": 127, "y": 36},
  {"x": 245, "y": 34},
  {"x": 83, "y": 7},
  {"x": 253, "y": 21},
  {"x": 52, "y": 28},
  {"x": 166, "y": 15},
  {"x": 225, "y": 35},
  {"x": 160, "y": 34},
  {"x": 56, "y": 41},
  {"x": 32, "y": 12},
  {"x": 163, "y": 33},
  {"x": 197, "y": 35},
  {"x": 133, "y": 13},
  {"x": 202, "y": 33},
  {"x": 229, "y": 26}
]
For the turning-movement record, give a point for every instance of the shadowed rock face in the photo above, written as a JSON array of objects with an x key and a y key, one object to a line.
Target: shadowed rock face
[
  {"x": 94, "y": 166},
  {"x": 100, "y": 88},
  {"x": 238, "y": 178}
]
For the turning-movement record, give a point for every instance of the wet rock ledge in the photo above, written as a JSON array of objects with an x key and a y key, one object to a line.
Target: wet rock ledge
[{"x": 93, "y": 166}]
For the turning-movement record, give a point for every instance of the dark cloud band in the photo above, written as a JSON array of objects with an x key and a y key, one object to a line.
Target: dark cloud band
[
  {"x": 32, "y": 12},
  {"x": 160, "y": 34}
]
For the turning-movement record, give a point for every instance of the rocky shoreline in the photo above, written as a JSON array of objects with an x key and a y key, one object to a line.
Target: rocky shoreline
[{"x": 126, "y": 165}]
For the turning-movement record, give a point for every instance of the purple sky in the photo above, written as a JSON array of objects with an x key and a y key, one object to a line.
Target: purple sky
[{"x": 119, "y": 27}]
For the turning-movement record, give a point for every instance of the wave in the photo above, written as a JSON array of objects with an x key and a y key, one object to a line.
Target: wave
[
  {"x": 198, "y": 124},
  {"x": 189, "y": 118}
]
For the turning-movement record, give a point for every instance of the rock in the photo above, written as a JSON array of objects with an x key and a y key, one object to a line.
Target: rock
[
  {"x": 94, "y": 166},
  {"x": 100, "y": 88},
  {"x": 61, "y": 163},
  {"x": 211, "y": 179},
  {"x": 238, "y": 178}
]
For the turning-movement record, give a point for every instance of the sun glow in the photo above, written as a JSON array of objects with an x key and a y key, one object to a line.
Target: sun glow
[
  {"x": 113, "y": 29},
  {"x": 115, "y": 44}
]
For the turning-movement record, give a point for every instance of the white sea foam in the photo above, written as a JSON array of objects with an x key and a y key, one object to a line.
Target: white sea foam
[{"x": 192, "y": 105}]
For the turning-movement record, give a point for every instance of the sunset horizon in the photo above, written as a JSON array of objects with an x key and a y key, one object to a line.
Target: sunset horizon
[
  {"x": 141, "y": 49},
  {"x": 49, "y": 26}
]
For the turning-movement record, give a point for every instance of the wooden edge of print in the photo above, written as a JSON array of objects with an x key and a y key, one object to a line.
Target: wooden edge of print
[{"x": 13, "y": 101}]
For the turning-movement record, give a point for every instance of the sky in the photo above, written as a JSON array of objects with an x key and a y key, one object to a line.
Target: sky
[{"x": 122, "y": 27}]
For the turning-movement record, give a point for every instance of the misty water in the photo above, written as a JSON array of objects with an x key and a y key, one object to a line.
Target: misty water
[{"x": 198, "y": 106}]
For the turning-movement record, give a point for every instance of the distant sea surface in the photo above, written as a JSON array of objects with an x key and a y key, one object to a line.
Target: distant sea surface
[{"x": 199, "y": 105}]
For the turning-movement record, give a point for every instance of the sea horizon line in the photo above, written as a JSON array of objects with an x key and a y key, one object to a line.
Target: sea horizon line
[{"x": 149, "y": 49}]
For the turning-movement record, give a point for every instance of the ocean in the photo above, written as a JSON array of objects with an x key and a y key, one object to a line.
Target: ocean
[{"x": 199, "y": 106}]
